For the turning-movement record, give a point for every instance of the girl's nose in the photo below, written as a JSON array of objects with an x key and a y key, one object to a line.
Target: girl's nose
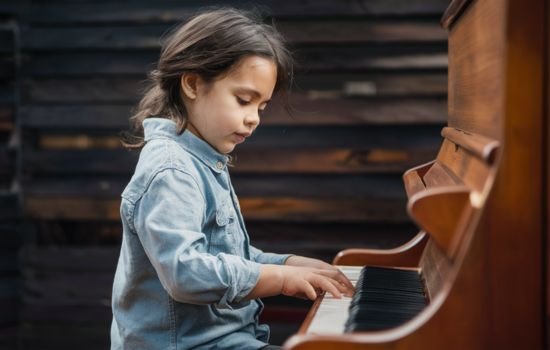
[{"x": 252, "y": 119}]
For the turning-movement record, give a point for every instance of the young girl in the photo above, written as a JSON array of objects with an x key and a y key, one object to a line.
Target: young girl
[{"x": 187, "y": 276}]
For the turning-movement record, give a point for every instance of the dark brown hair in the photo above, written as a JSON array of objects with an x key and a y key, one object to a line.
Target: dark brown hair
[{"x": 209, "y": 44}]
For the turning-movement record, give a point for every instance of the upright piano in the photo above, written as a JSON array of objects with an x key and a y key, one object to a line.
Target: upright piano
[{"x": 474, "y": 275}]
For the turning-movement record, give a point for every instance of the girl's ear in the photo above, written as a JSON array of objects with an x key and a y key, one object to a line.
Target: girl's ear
[{"x": 189, "y": 84}]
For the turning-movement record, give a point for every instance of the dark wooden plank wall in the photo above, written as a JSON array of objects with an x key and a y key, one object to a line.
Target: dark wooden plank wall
[
  {"x": 10, "y": 234},
  {"x": 370, "y": 99}
]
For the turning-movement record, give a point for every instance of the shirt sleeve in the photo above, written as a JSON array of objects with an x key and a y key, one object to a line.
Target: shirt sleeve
[
  {"x": 168, "y": 220},
  {"x": 259, "y": 256}
]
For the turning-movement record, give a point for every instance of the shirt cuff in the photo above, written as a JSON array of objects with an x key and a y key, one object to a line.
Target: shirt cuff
[
  {"x": 243, "y": 276},
  {"x": 273, "y": 258}
]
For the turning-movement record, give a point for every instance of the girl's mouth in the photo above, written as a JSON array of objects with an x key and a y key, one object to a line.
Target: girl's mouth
[{"x": 241, "y": 137}]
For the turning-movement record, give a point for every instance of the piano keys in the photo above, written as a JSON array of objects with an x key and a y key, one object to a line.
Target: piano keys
[
  {"x": 332, "y": 313},
  {"x": 384, "y": 298}
]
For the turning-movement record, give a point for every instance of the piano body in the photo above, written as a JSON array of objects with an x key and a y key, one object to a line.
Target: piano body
[{"x": 481, "y": 205}]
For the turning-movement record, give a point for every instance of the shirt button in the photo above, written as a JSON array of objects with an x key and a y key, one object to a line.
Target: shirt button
[{"x": 219, "y": 165}]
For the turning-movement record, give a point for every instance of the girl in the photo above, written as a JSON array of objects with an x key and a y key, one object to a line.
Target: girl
[{"x": 187, "y": 276}]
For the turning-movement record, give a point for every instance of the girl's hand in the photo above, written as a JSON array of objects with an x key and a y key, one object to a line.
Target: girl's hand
[
  {"x": 301, "y": 282},
  {"x": 302, "y": 261},
  {"x": 308, "y": 282}
]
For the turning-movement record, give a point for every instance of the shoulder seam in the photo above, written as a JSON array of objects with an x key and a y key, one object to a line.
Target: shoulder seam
[{"x": 182, "y": 171}]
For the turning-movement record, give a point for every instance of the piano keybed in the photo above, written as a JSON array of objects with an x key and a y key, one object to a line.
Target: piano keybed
[{"x": 384, "y": 298}]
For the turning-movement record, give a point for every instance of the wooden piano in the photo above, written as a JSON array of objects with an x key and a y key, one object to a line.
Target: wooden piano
[{"x": 481, "y": 206}]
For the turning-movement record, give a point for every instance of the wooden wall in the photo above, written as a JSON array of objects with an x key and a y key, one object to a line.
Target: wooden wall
[{"x": 369, "y": 102}]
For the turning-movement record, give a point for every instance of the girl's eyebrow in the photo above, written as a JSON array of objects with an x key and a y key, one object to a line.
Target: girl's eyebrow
[{"x": 252, "y": 92}]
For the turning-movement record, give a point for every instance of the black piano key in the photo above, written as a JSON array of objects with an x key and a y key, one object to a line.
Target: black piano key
[{"x": 385, "y": 298}]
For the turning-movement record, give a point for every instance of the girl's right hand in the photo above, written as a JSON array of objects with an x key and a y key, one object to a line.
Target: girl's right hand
[
  {"x": 299, "y": 281},
  {"x": 309, "y": 282}
]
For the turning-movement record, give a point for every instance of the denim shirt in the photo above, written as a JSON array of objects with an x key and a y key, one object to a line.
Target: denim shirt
[{"x": 186, "y": 262}]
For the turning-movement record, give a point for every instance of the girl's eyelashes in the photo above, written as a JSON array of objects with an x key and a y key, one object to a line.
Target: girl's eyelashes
[{"x": 242, "y": 101}]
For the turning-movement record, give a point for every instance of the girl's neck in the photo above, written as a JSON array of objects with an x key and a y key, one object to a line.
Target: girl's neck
[{"x": 194, "y": 131}]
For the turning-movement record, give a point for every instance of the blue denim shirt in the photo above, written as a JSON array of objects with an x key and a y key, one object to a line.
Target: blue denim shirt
[{"x": 186, "y": 262}]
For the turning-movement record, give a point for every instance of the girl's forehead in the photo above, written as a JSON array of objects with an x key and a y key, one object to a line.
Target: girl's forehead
[
  {"x": 254, "y": 72},
  {"x": 250, "y": 66}
]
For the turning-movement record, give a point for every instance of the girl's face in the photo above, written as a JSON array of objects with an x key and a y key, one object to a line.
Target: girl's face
[{"x": 226, "y": 111}]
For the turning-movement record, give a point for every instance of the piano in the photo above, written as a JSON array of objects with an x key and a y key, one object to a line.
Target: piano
[{"x": 474, "y": 275}]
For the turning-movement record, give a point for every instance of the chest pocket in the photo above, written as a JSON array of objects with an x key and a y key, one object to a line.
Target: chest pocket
[{"x": 226, "y": 236}]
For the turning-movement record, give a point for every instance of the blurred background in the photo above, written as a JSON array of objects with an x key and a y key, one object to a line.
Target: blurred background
[{"x": 369, "y": 102}]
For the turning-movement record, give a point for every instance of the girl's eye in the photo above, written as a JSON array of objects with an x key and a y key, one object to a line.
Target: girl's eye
[{"x": 242, "y": 102}]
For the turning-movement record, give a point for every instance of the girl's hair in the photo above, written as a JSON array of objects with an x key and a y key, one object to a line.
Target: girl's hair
[{"x": 209, "y": 44}]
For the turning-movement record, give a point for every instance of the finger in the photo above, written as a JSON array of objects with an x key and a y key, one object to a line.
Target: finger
[
  {"x": 340, "y": 277},
  {"x": 326, "y": 284},
  {"x": 341, "y": 287},
  {"x": 310, "y": 292}
]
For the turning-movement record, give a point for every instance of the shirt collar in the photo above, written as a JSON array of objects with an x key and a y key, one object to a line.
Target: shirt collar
[{"x": 155, "y": 128}]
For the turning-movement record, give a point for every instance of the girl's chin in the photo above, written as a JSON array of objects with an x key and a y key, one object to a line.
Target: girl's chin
[{"x": 226, "y": 149}]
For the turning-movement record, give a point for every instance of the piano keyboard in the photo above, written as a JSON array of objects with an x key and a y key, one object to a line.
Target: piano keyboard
[{"x": 384, "y": 298}]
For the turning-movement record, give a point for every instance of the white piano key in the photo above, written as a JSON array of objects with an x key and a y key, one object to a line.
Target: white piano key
[{"x": 332, "y": 314}]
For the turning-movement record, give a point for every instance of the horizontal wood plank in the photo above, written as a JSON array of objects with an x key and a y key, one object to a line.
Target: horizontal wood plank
[
  {"x": 162, "y": 12},
  {"x": 45, "y": 287},
  {"x": 98, "y": 241},
  {"x": 281, "y": 237},
  {"x": 385, "y": 84},
  {"x": 359, "y": 31},
  {"x": 80, "y": 142},
  {"x": 285, "y": 209},
  {"x": 293, "y": 185},
  {"x": 380, "y": 136},
  {"x": 399, "y": 57},
  {"x": 312, "y": 86},
  {"x": 296, "y": 32},
  {"x": 54, "y": 258},
  {"x": 272, "y": 236},
  {"x": 302, "y": 161},
  {"x": 339, "y": 59},
  {"x": 305, "y": 111},
  {"x": 417, "y": 136}
]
